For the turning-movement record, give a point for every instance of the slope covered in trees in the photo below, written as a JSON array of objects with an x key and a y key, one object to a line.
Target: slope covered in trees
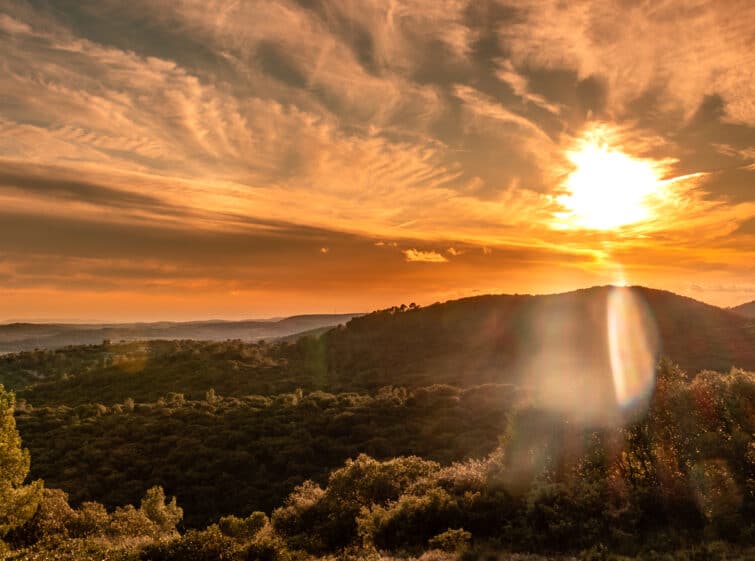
[
  {"x": 487, "y": 339},
  {"x": 407, "y": 430},
  {"x": 492, "y": 338},
  {"x": 676, "y": 483}
]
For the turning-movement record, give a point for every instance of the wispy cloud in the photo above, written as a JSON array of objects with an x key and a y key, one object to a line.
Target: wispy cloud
[
  {"x": 520, "y": 86},
  {"x": 262, "y": 133},
  {"x": 680, "y": 52},
  {"x": 484, "y": 106}
]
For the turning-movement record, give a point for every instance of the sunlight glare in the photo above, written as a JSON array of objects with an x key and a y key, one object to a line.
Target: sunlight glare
[{"x": 608, "y": 189}]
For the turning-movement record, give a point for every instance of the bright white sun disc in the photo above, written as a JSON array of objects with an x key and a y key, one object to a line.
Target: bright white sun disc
[{"x": 608, "y": 188}]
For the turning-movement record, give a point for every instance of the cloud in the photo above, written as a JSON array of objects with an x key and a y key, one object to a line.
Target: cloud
[
  {"x": 484, "y": 106},
  {"x": 678, "y": 52},
  {"x": 133, "y": 133},
  {"x": 419, "y": 256},
  {"x": 508, "y": 74},
  {"x": 52, "y": 183},
  {"x": 13, "y": 26}
]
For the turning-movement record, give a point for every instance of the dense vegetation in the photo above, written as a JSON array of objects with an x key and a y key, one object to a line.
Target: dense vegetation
[
  {"x": 681, "y": 477},
  {"x": 487, "y": 338},
  {"x": 260, "y": 446},
  {"x": 462, "y": 343},
  {"x": 347, "y": 445}
]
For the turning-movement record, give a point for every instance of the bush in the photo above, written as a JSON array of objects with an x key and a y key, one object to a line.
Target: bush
[
  {"x": 451, "y": 540},
  {"x": 326, "y": 519},
  {"x": 206, "y": 545},
  {"x": 268, "y": 546},
  {"x": 165, "y": 515},
  {"x": 91, "y": 519},
  {"x": 52, "y": 520},
  {"x": 130, "y": 522},
  {"x": 243, "y": 529}
]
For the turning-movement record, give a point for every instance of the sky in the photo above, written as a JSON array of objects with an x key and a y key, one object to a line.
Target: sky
[{"x": 192, "y": 159}]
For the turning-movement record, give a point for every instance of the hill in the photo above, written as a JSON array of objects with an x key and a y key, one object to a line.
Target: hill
[
  {"x": 485, "y": 389},
  {"x": 16, "y": 337},
  {"x": 557, "y": 342},
  {"x": 745, "y": 309},
  {"x": 507, "y": 338}
]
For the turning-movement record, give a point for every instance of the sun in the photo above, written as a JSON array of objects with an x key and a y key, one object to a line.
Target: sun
[{"x": 608, "y": 189}]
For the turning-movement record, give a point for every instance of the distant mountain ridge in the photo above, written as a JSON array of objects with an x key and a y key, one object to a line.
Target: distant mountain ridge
[
  {"x": 747, "y": 309},
  {"x": 27, "y": 336}
]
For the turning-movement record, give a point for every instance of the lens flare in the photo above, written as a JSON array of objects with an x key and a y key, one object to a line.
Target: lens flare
[{"x": 633, "y": 346}]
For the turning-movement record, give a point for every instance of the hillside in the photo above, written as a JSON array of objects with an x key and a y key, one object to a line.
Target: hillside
[
  {"x": 517, "y": 339},
  {"x": 16, "y": 337},
  {"x": 747, "y": 309},
  {"x": 506, "y": 338},
  {"x": 453, "y": 403}
]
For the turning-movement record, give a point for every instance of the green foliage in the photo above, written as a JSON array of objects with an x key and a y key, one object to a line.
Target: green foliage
[
  {"x": 359, "y": 465},
  {"x": 156, "y": 517},
  {"x": 18, "y": 502},
  {"x": 318, "y": 519},
  {"x": 76, "y": 550},
  {"x": 53, "y": 520},
  {"x": 148, "y": 371},
  {"x": 269, "y": 546},
  {"x": 90, "y": 532},
  {"x": 92, "y": 519},
  {"x": 233, "y": 540},
  {"x": 261, "y": 446}
]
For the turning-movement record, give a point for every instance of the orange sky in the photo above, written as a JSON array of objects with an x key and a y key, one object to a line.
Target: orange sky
[{"x": 198, "y": 159}]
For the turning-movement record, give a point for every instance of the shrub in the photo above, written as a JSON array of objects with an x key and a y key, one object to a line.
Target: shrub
[
  {"x": 243, "y": 529},
  {"x": 91, "y": 519},
  {"x": 451, "y": 540},
  {"x": 206, "y": 545}
]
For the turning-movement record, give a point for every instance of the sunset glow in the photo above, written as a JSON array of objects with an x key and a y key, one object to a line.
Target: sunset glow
[
  {"x": 163, "y": 160},
  {"x": 402, "y": 280}
]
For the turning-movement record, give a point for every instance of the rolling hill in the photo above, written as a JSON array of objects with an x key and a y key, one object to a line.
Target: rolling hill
[
  {"x": 512, "y": 337},
  {"x": 555, "y": 341},
  {"x": 105, "y": 422}
]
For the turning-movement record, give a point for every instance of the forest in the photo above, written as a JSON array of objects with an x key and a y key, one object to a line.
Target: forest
[{"x": 346, "y": 446}]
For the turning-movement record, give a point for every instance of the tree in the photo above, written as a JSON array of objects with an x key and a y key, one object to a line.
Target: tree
[
  {"x": 18, "y": 502},
  {"x": 166, "y": 515}
]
